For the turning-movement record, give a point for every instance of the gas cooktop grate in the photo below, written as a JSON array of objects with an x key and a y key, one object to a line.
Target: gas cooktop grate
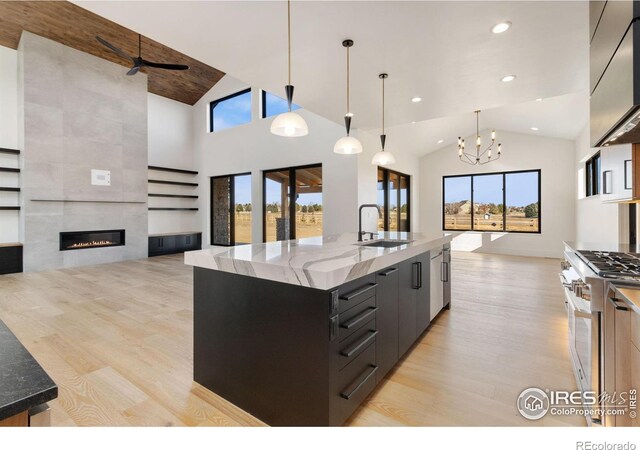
[{"x": 612, "y": 264}]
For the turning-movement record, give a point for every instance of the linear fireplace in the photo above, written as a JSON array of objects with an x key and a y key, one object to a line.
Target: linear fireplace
[{"x": 77, "y": 240}]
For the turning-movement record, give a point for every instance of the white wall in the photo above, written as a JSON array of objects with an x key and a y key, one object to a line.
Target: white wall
[
  {"x": 171, "y": 145},
  {"x": 595, "y": 221},
  {"x": 9, "y": 220},
  {"x": 555, "y": 157},
  {"x": 252, "y": 148}
]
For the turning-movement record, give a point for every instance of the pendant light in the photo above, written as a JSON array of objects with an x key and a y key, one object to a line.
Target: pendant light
[
  {"x": 289, "y": 124},
  {"x": 383, "y": 158},
  {"x": 347, "y": 145}
]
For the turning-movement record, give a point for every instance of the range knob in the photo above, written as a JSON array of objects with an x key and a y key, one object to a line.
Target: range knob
[
  {"x": 586, "y": 293},
  {"x": 565, "y": 265},
  {"x": 577, "y": 286}
]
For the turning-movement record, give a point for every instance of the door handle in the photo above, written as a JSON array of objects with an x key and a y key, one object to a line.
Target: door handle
[
  {"x": 414, "y": 275},
  {"x": 614, "y": 302},
  {"x": 388, "y": 272},
  {"x": 419, "y": 275}
]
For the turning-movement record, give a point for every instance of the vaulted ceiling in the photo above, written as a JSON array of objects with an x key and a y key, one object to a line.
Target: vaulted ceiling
[{"x": 76, "y": 27}]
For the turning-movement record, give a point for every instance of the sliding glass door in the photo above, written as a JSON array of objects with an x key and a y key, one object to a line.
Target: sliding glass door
[
  {"x": 292, "y": 203},
  {"x": 231, "y": 209},
  {"x": 394, "y": 200}
]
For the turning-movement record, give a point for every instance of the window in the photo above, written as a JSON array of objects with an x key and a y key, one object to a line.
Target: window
[
  {"x": 394, "y": 200},
  {"x": 505, "y": 201},
  {"x": 304, "y": 184},
  {"x": 592, "y": 175},
  {"x": 230, "y": 111},
  {"x": 231, "y": 209},
  {"x": 273, "y": 105}
]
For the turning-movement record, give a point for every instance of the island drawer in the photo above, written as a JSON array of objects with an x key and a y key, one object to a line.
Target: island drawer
[
  {"x": 353, "y": 319},
  {"x": 352, "y": 384},
  {"x": 348, "y": 349},
  {"x": 355, "y": 292}
]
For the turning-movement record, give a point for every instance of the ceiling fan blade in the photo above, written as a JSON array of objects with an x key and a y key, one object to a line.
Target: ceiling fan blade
[
  {"x": 165, "y": 66},
  {"x": 134, "y": 70},
  {"x": 113, "y": 48}
]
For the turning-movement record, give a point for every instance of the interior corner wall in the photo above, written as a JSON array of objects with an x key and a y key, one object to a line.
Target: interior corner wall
[
  {"x": 406, "y": 163},
  {"x": 171, "y": 145},
  {"x": 555, "y": 158},
  {"x": 252, "y": 148},
  {"x": 595, "y": 221},
  {"x": 9, "y": 220}
]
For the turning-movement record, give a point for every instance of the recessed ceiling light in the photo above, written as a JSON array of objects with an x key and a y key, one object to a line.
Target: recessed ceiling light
[
  {"x": 501, "y": 27},
  {"x": 538, "y": 99},
  {"x": 440, "y": 141},
  {"x": 508, "y": 78},
  {"x": 416, "y": 99},
  {"x": 534, "y": 128}
]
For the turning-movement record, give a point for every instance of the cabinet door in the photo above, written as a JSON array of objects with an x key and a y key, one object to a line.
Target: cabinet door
[
  {"x": 423, "y": 293},
  {"x": 615, "y": 172},
  {"x": 387, "y": 319},
  {"x": 407, "y": 289},
  {"x": 446, "y": 260},
  {"x": 437, "y": 284}
]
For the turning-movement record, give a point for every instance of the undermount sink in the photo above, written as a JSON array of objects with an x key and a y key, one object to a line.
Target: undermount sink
[{"x": 385, "y": 243}]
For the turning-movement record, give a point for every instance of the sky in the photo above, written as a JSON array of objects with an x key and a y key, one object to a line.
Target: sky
[
  {"x": 237, "y": 110},
  {"x": 521, "y": 189}
]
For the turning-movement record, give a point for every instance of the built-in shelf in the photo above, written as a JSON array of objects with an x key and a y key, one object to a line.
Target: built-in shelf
[
  {"x": 9, "y": 151},
  {"x": 80, "y": 201},
  {"x": 173, "y": 196},
  {"x": 178, "y": 233},
  {"x": 9, "y": 208},
  {"x": 9, "y": 189},
  {"x": 175, "y": 183},
  {"x": 169, "y": 169},
  {"x": 9, "y": 169},
  {"x": 173, "y": 209}
]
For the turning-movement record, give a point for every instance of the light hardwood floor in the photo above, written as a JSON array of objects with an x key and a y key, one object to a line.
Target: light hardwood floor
[{"x": 117, "y": 339}]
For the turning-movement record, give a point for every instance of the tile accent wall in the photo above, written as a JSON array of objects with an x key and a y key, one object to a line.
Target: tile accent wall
[{"x": 77, "y": 113}]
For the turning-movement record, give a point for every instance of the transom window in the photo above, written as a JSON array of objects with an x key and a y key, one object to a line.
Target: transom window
[
  {"x": 230, "y": 111},
  {"x": 273, "y": 105},
  {"x": 504, "y": 201},
  {"x": 592, "y": 175}
]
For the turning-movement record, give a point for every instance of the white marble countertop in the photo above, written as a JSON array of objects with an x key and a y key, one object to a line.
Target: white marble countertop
[{"x": 319, "y": 262}]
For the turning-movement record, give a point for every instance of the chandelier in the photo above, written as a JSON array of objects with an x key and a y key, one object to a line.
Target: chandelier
[{"x": 479, "y": 156}]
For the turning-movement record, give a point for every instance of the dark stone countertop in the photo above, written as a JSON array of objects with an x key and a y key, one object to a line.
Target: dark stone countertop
[{"x": 23, "y": 383}]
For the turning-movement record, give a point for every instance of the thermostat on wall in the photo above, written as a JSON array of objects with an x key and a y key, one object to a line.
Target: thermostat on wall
[{"x": 100, "y": 177}]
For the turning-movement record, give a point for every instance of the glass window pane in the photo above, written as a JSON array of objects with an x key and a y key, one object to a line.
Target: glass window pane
[
  {"x": 380, "y": 199},
  {"x": 230, "y": 112},
  {"x": 404, "y": 204},
  {"x": 276, "y": 214},
  {"x": 243, "y": 207},
  {"x": 457, "y": 203},
  {"x": 274, "y": 105},
  {"x": 220, "y": 207},
  {"x": 394, "y": 186},
  {"x": 522, "y": 201},
  {"x": 308, "y": 202},
  {"x": 487, "y": 203}
]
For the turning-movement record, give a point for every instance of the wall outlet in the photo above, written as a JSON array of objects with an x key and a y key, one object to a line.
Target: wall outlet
[{"x": 100, "y": 177}]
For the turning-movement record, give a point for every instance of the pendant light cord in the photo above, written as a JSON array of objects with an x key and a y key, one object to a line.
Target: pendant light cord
[
  {"x": 383, "y": 106},
  {"x": 289, "y": 35},
  {"x": 348, "y": 110}
]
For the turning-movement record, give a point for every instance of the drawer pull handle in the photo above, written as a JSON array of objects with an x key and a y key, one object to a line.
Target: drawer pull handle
[
  {"x": 359, "y": 382},
  {"x": 348, "y": 353},
  {"x": 388, "y": 272},
  {"x": 353, "y": 294},
  {"x": 359, "y": 318}
]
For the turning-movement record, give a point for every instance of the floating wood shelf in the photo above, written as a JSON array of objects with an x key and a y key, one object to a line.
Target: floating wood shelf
[
  {"x": 10, "y": 151},
  {"x": 9, "y": 189},
  {"x": 173, "y": 209},
  {"x": 79, "y": 201},
  {"x": 9, "y": 169},
  {"x": 169, "y": 169},
  {"x": 176, "y": 183},
  {"x": 173, "y": 196},
  {"x": 9, "y": 208}
]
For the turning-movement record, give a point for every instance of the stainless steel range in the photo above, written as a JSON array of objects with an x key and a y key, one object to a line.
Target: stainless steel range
[{"x": 618, "y": 265}]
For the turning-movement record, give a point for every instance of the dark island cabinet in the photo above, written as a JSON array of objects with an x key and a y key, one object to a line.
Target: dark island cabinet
[{"x": 297, "y": 356}]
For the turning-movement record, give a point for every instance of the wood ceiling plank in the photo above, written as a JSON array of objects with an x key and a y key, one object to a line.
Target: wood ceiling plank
[{"x": 75, "y": 27}]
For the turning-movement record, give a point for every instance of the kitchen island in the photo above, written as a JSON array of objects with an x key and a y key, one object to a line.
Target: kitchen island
[{"x": 300, "y": 332}]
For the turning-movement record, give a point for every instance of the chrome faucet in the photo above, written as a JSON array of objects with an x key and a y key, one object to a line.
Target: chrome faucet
[{"x": 360, "y": 232}]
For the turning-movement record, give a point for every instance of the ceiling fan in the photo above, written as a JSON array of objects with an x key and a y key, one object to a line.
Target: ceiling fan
[{"x": 138, "y": 62}]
